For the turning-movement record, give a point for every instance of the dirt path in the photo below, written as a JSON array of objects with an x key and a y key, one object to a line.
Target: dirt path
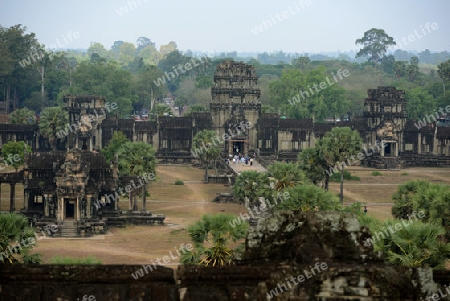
[{"x": 185, "y": 204}]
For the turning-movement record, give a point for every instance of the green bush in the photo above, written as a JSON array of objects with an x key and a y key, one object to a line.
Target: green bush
[
  {"x": 376, "y": 173},
  {"x": 404, "y": 174},
  {"x": 336, "y": 177},
  {"x": 70, "y": 260},
  {"x": 179, "y": 182}
]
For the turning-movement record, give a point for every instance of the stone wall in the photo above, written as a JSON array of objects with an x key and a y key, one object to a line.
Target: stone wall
[{"x": 290, "y": 256}]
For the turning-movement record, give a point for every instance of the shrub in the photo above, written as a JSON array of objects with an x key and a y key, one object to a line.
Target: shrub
[
  {"x": 179, "y": 182},
  {"x": 404, "y": 174},
  {"x": 376, "y": 173},
  {"x": 336, "y": 177},
  {"x": 70, "y": 260}
]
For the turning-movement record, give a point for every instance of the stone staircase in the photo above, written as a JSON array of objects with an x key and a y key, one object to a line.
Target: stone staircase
[{"x": 69, "y": 229}]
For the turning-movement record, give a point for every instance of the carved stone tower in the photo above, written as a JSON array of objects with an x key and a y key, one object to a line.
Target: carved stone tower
[
  {"x": 235, "y": 99},
  {"x": 385, "y": 114},
  {"x": 86, "y": 114}
]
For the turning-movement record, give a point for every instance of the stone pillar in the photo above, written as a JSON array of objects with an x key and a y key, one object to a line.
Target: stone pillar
[
  {"x": 12, "y": 205},
  {"x": 419, "y": 143},
  {"x": 396, "y": 149},
  {"x": 99, "y": 138},
  {"x": 78, "y": 209},
  {"x": 60, "y": 210},
  {"x": 46, "y": 206},
  {"x": 26, "y": 198}
]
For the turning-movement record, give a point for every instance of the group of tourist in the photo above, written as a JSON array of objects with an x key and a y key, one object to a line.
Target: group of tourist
[{"x": 238, "y": 159}]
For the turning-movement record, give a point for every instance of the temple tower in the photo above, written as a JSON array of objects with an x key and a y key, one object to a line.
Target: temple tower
[
  {"x": 385, "y": 114},
  {"x": 234, "y": 101}
]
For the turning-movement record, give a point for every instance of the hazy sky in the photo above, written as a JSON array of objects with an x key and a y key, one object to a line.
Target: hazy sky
[{"x": 214, "y": 26}]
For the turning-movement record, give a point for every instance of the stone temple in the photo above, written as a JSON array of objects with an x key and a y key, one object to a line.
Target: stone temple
[{"x": 66, "y": 184}]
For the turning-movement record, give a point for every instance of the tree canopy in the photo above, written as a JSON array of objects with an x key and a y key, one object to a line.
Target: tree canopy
[{"x": 375, "y": 43}]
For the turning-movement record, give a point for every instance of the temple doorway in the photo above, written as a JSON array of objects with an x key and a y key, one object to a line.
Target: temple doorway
[{"x": 70, "y": 206}]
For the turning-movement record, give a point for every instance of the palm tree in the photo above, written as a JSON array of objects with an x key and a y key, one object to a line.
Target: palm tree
[
  {"x": 403, "y": 198},
  {"x": 22, "y": 116},
  {"x": 16, "y": 239},
  {"x": 136, "y": 159},
  {"x": 204, "y": 146},
  {"x": 53, "y": 120},
  {"x": 212, "y": 236},
  {"x": 314, "y": 166},
  {"x": 286, "y": 175},
  {"x": 339, "y": 145},
  {"x": 417, "y": 245},
  {"x": 309, "y": 197},
  {"x": 251, "y": 185}
]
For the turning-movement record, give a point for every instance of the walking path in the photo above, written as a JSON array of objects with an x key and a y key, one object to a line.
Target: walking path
[{"x": 245, "y": 167}]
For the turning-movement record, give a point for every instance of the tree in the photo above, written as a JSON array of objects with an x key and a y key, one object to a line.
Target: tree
[
  {"x": 301, "y": 62},
  {"x": 16, "y": 239},
  {"x": 117, "y": 141},
  {"x": 136, "y": 159},
  {"x": 295, "y": 97},
  {"x": 52, "y": 120},
  {"x": 433, "y": 199},
  {"x": 375, "y": 43},
  {"x": 419, "y": 102},
  {"x": 15, "y": 151},
  {"x": 212, "y": 236},
  {"x": 412, "y": 244},
  {"x": 286, "y": 175},
  {"x": 338, "y": 145},
  {"x": 251, "y": 185},
  {"x": 413, "y": 69},
  {"x": 143, "y": 42},
  {"x": 22, "y": 116},
  {"x": 205, "y": 145},
  {"x": 403, "y": 204},
  {"x": 196, "y": 108},
  {"x": 399, "y": 69},
  {"x": 444, "y": 72},
  {"x": 180, "y": 102},
  {"x": 314, "y": 165},
  {"x": 161, "y": 110},
  {"x": 309, "y": 197},
  {"x": 146, "y": 88},
  {"x": 106, "y": 79}
]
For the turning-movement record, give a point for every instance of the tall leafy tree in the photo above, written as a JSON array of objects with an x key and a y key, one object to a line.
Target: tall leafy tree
[
  {"x": 117, "y": 141},
  {"x": 106, "y": 79},
  {"x": 338, "y": 145},
  {"x": 15, "y": 152},
  {"x": 52, "y": 120},
  {"x": 375, "y": 43},
  {"x": 213, "y": 237},
  {"x": 22, "y": 116},
  {"x": 147, "y": 87},
  {"x": 420, "y": 102},
  {"x": 444, "y": 72}
]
